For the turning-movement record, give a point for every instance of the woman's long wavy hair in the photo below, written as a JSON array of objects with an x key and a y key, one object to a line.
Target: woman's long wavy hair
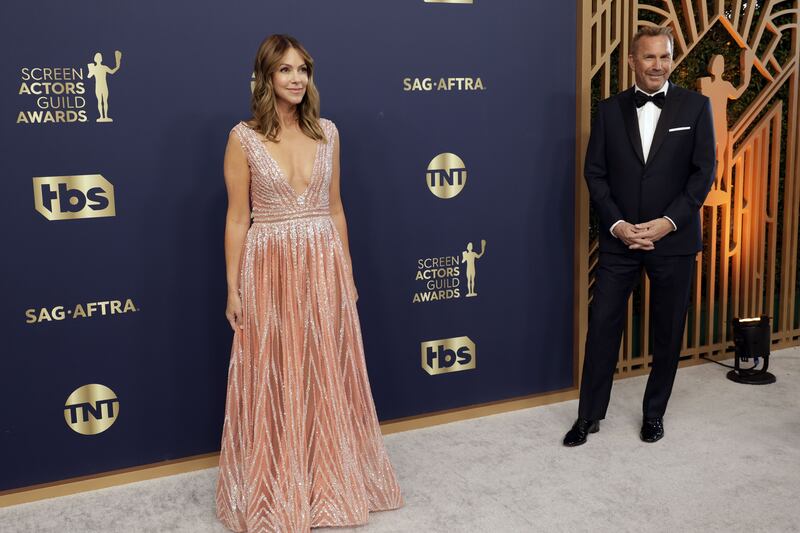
[{"x": 263, "y": 105}]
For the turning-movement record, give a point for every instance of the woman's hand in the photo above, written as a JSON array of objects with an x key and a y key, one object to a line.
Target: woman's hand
[{"x": 233, "y": 311}]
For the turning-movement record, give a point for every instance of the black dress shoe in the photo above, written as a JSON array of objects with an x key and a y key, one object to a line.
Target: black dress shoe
[
  {"x": 580, "y": 429},
  {"x": 652, "y": 429}
]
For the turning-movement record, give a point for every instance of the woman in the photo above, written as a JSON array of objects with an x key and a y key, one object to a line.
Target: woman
[{"x": 301, "y": 445}]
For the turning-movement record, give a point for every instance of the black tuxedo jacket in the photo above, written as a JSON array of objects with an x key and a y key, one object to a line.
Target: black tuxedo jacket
[{"x": 673, "y": 182}]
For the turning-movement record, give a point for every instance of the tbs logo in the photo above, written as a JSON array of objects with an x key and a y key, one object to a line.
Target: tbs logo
[
  {"x": 70, "y": 197},
  {"x": 448, "y": 355}
]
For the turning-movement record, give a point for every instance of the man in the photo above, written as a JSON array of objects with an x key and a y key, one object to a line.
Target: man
[{"x": 649, "y": 166}]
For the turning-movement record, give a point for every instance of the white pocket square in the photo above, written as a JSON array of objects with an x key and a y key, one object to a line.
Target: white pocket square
[{"x": 682, "y": 128}]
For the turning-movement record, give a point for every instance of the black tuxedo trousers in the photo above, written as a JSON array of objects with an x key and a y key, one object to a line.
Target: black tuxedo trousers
[{"x": 617, "y": 275}]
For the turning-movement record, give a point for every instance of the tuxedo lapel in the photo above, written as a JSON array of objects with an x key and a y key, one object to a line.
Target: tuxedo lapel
[
  {"x": 631, "y": 120},
  {"x": 671, "y": 106}
]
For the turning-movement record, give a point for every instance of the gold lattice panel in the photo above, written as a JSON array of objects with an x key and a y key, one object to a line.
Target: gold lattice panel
[{"x": 748, "y": 266}]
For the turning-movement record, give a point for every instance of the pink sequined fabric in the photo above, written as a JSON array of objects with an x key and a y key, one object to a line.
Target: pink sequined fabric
[{"x": 301, "y": 445}]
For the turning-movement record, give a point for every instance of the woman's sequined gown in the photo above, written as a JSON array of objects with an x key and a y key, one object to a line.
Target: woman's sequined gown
[{"x": 301, "y": 445}]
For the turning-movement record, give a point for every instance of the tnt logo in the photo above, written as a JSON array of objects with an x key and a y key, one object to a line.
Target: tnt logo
[
  {"x": 446, "y": 176},
  {"x": 91, "y": 409},
  {"x": 448, "y": 355},
  {"x": 69, "y": 197}
]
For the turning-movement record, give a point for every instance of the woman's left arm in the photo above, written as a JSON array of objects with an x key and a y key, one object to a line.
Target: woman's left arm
[{"x": 337, "y": 209}]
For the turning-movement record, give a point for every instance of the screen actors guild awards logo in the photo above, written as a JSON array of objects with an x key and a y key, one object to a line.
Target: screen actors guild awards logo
[
  {"x": 100, "y": 73},
  {"x": 57, "y": 95},
  {"x": 441, "y": 277},
  {"x": 71, "y": 197},
  {"x": 448, "y": 355},
  {"x": 446, "y": 175},
  {"x": 91, "y": 409}
]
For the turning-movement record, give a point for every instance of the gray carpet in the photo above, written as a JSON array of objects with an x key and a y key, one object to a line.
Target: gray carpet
[{"x": 730, "y": 462}]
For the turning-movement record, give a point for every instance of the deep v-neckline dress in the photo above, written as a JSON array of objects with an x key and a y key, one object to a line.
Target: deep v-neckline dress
[{"x": 301, "y": 443}]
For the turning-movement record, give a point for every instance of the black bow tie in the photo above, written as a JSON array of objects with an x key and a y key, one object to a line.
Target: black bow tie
[{"x": 641, "y": 98}]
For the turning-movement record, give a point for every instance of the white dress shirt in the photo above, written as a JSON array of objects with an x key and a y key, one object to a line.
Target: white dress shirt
[{"x": 648, "y": 116}]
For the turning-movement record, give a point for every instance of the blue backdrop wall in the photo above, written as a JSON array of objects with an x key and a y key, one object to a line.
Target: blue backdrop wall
[{"x": 113, "y": 267}]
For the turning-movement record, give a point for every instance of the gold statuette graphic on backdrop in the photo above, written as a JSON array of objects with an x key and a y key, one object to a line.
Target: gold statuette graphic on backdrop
[
  {"x": 448, "y": 355},
  {"x": 469, "y": 257},
  {"x": 91, "y": 409},
  {"x": 70, "y": 197},
  {"x": 100, "y": 73},
  {"x": 446, "y": 175}
]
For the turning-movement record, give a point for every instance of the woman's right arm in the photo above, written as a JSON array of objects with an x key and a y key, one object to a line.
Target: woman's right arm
[{"x": 237, "y": 222}]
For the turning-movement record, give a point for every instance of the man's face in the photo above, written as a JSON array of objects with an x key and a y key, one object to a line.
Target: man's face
[{"x": 651, "y": 62}]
